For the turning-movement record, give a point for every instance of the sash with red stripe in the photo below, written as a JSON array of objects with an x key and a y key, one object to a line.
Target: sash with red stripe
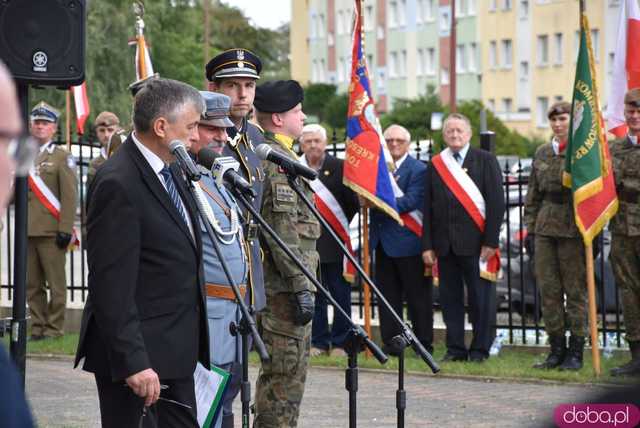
[
  {"x": 332, "y": 212},
  {"x": 50, "y": 202},
  {"x": 469, "y": 196},
  {"x": 412, "y": 220}
]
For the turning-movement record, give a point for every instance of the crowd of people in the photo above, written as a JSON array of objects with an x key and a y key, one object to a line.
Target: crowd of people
[{"x": 160, "y": 299}]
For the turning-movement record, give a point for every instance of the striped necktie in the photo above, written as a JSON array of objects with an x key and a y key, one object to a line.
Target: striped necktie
[{"x": 173, "y": 192}]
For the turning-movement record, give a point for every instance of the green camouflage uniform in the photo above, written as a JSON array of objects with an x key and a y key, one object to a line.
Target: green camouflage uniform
[
  {"x": 625, "y": 230},
  {"x": 559, "y": 249},
  {"x": 280, "y": 384}
]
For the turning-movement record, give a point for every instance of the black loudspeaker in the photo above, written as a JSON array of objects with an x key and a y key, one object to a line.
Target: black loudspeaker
[{"x": 43, "y": 41}]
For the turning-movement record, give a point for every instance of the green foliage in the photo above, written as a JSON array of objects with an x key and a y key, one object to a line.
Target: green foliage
[
  {"x": 335, "y": 112},
  {"x": 316, "y": 98}
]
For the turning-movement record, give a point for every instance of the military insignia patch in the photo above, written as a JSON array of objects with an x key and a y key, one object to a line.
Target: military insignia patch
[
  {"x": 284, "y": 193},
  {"x": 240, "y": 55}
]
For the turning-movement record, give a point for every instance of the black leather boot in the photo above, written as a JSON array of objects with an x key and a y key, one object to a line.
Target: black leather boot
[
  {"x": 556, "y": 355},
  {"x": 632, "y": 368},
  {"x": 573, "y": 360}
]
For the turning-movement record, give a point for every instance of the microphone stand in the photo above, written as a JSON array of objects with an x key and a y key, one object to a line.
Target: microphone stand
[
  {"x": 247, "y": 323},
  {"x": 358, "y": 337},
  {"x": 408, "y": 334}
]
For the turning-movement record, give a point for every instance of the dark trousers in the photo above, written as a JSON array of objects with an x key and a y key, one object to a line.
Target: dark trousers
[
  {"x": 403, "y": 278},
  {"x": 121, "y": 408},
  {"x": 340, "y": 290},
  {"x": 455, "y": 271}
]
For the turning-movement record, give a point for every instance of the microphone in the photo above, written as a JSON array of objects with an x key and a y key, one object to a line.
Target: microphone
[
  {"x": 184, "y": 160},
  {"x": 225, "y": 168},
  {"x": 290, "y": 166}
]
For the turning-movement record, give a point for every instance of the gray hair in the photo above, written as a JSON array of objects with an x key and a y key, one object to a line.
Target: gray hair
[
  {"x": 315, "y": 129},
  {"x": 402, "y": 129},
  {"x": 457, "y": 116},
  {"x": 163, "y": 98}
]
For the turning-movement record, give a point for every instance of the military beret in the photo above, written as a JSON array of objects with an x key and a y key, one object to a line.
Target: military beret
[
  {"x": 560, "y": 107},
  {"x": 106, "y": 118},
  {"x": 278, "y": 96},
  {"x": 632, "y": 97},
  {"x": 234, "y": 63},
  {"x": 139, "y": 84},
  {"x": 43, "y": 111},
  {"x": 217, "y": 108}
]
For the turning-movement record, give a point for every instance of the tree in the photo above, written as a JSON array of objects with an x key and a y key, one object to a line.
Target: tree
[{"x": 316, "y": 98}]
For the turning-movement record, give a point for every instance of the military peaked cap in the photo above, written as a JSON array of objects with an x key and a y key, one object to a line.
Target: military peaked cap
[{"x": 234, "y": 63}]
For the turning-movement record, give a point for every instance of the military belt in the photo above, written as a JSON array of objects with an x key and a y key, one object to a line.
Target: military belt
[
  {"x": 224, "y": 291},
  {"x": 557, "y": 197},
  {"x": 630, "y": 196}
]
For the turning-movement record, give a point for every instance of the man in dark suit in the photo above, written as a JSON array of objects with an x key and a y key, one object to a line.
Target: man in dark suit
[
  {"x": 144, "y": 326},
  {"x": 452, "y": 235},
  {"x": 399, "y": 267},
  {"x": 313, "y": 143}
]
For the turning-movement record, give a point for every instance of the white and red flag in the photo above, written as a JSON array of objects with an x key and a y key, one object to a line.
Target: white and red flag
[
  {"x": 81, "y": 102},
  {"x": 626, "y": 66}
]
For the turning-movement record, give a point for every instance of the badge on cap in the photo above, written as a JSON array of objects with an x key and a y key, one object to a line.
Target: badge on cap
[{"x": 240, "y": 55}]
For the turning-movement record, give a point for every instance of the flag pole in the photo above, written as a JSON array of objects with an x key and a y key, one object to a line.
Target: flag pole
[
  {"x": 68, "y": 121},
  {"x": 365, "y": 220},
  {"x": 588, "y": 249}
]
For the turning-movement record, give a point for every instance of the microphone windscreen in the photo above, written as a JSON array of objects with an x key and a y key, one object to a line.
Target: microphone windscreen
[
  {"x": 206, "y": 157},
  {"x": 174, "y": 145},
  {"x": 263, "y": 151}
]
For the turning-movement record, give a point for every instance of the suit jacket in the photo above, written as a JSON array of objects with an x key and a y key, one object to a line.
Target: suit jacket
[
  {"x": 331, "y": 176},
  {"x": 396, "y": 240},
  {"x": 447, "y": 226},
  {"x": 146, "y": 306}
]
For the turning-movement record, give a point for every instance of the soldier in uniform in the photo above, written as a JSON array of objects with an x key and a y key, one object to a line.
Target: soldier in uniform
[
  {"x": 52, "y": 209},
  {"x": 555, "y": 243},
  {"x": 234, "y": 73},
  {"x": 106, "y": 125},
  {"x": 222, "y": 307},
  {"x": 285, "y": 322},
  {"x": 625, "y": 229}
]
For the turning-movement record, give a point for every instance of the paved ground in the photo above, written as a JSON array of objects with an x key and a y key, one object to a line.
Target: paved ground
[{"x": 63, "y": 397}]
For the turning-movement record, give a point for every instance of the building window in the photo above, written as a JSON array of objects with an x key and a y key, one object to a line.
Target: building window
[
  {"x": 542, "y": 107},
  {"x": 445, "y": 21},
  {"x": 321, "y": 26},
  {"x": 420, "y": 62},
  {"x": 402, "y": 13},
  {"x": 493, "y": 54},
  {"x": 461, "y": 59},
  {"x": 314, "y": 71},
  {"x": 369, "y": 21},
  {"x": 402, "y": 70},
  {"x": 393, "y": 14},
  {"x": 612, "y": 62},
  {"x": 576, "y": 45},
  {"x": 369, "y": 64},
  {"x": 507, "y": 54},
  {"x": 471, "y": 7},
  {"x": 429, "y": 10},
  {"x": 393, "y": 64},
  {"x": 524, "y": 70},
  {"x": 339, "y": 22},
  {"x": 492, "y": 5},
  {"x": 313, "y": 31},
  {"x": 557, "y": 98},
  {"x": 491, "y": 104},
  {"x": 431, "y": 61},
  {"x": 460, "y": 7},
  {"x": 341, "y": 70},
  {"x": 473, "y": 57},
  {"x": 557, "y": 51},
  {"x": 506, "y": 5},
  {"x": 444, "y": 76},
  {"x": 543, "y": 50},
  {"x": 507, "y": 105},
  {"x": 524, "y": 9},
  {"x": 595, "y": 44}
]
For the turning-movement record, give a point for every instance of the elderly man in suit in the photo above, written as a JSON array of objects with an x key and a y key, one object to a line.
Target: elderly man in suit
[
  {"x": 399, "y": 268},
  {"x": 144, "y": 324},
  {"x": 313, "y": 143},
  {"x": 463, "y": 208}
]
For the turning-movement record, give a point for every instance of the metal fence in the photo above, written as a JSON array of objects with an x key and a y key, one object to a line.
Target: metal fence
[{"x": 517, "y": 296}]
